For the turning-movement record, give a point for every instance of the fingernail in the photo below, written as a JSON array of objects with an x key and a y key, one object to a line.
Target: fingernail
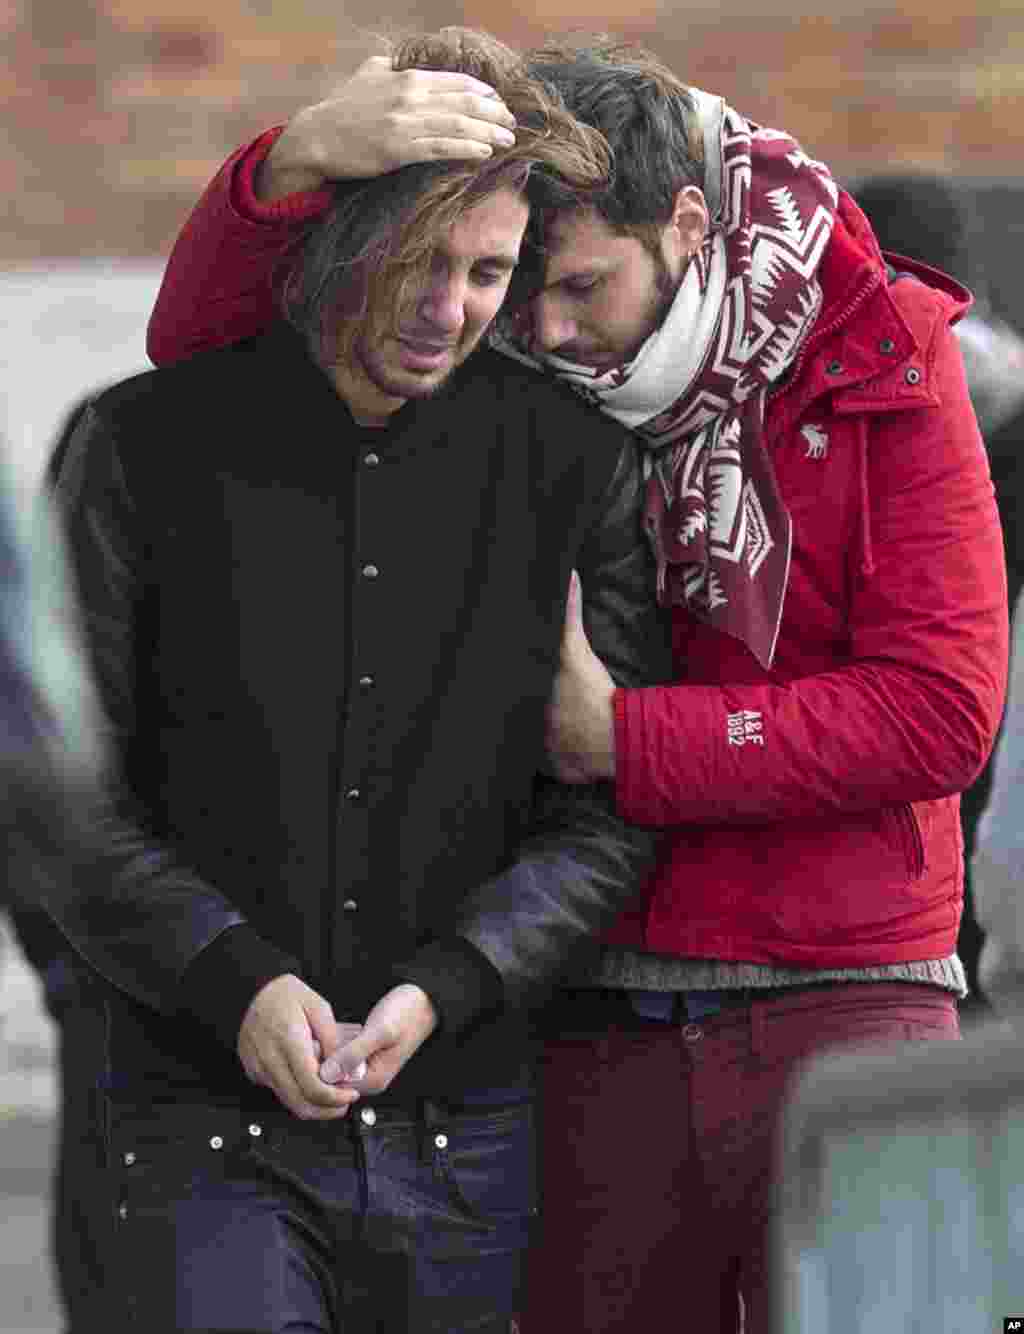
[{"x": 333, "y": 1073}]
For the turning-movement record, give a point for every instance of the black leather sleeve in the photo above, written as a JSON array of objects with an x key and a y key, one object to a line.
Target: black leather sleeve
[
  {"x": 581, "y": 862},
  {"x": 137, "y": 914}
]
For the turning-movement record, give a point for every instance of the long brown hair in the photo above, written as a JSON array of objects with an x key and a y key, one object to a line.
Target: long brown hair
[{"x": 376, "y": 243}]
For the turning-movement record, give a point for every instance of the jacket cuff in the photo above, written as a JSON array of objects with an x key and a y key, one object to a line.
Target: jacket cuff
[
  {"x": 462, "y": 983},
  {"x": 640, "y": 798},
  {"x": 219, "y": 984},
  {"x": 290, "y": 209},
  {"x": 620, "y": 720}
]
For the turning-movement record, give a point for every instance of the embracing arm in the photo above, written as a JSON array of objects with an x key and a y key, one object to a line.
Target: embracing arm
[
  {"x": 219, "y": 283},
  {"x": 912, "y": 714},
  {"x": 218, "y": 286}
]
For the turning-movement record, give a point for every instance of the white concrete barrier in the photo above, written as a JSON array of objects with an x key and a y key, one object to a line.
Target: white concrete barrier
[{"x": 902, "y": 1204}]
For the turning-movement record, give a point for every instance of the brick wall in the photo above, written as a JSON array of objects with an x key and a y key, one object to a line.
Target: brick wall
[{"x": 119, "y": 110}]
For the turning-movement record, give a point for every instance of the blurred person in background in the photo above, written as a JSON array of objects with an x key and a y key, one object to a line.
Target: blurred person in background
[
  {"x": 52, "y": 755},
  {"x": 935, "y": 219},
  {"x": 76, "y": 1008},
  {"x": 51, "y": 763},
  {"x": 323, "y": 577},
  {"x": 998, "y": 864},
  {"x": 822, "y": 519}
]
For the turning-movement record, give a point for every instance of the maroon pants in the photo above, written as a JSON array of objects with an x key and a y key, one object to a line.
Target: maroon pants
[{"x": 658, "y": 1142}]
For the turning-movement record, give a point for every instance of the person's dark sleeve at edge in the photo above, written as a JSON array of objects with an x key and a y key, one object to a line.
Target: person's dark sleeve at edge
[
  {"x": 139, "y": 916},
  {"x": 158, "y": 931}
]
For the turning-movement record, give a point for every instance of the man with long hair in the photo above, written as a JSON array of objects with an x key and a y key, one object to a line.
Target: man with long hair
[{"x": 323, "y": 576}]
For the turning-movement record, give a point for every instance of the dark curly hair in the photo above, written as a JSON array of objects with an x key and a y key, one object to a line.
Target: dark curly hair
[{"x": 646, "y": 114}]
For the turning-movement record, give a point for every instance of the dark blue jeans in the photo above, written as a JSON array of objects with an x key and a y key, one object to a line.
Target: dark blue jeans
[{"x": 396, "y": 1221}]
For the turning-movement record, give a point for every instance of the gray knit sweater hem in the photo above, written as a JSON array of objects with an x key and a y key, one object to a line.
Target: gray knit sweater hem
[{"x": 634, "y": 970}]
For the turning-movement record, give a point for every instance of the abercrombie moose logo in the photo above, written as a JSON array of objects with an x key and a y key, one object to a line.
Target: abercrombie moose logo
[{"x": 817, "y": 441}]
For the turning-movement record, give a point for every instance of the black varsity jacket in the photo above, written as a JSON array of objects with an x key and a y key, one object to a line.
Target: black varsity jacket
[{"x": 325, "y": 653}]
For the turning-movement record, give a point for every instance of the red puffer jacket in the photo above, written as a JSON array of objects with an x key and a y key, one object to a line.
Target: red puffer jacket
[
  {"x": 814, "y": 806},
  {"x": 817, "y": 821}
]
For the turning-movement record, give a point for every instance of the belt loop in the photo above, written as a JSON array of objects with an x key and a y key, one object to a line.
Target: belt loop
[
  {"x": 433, "y": 1130},
  {"x": 434, "y": 1136}
]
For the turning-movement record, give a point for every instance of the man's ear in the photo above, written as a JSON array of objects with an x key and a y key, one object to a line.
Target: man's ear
[{"x": 690, "y": 218}]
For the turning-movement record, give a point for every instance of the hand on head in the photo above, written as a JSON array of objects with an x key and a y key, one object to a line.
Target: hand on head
[{"x": 381, "y": 119}]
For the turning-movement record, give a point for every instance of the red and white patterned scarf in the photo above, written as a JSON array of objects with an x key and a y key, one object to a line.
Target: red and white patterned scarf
[{"x": 696, "y": 390}]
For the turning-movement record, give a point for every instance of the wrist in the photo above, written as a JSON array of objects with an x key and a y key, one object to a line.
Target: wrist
[
  {"x": 293, "y": 164},
  {"x": 224, "y": 978},
  {"x": 459, "y": 981}
]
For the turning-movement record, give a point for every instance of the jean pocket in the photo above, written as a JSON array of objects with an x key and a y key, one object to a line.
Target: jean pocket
[
  {"x": 488, "y": 1165},
  {"x": 166, "y": 1150}
]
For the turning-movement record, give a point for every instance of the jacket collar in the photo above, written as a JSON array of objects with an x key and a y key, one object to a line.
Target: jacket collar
[{"x": 863, "y": 350}]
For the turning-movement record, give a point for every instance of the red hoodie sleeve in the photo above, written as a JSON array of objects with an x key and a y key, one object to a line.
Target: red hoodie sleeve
[
  {"x": 911, "y": 713},
  {"x": 218, "y": 284}
]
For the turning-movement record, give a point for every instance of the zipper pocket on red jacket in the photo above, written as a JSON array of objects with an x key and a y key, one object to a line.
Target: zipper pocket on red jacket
[{"x": 913, "y": 843}]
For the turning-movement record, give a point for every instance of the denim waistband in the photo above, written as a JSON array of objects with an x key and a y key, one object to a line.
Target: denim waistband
[
  {"x": 690, "y": 1006},
  {"x": 219, "y": 1116}
]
